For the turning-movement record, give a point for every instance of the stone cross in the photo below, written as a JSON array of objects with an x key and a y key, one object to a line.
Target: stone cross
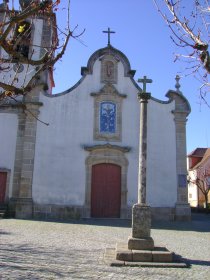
[
  {"x": 145, "y": 81},
  {"x": 141, "y": 212},
  {"x": 109, "y": 32}
]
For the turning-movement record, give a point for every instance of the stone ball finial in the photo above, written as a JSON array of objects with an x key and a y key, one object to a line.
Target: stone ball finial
[{"x": 177, "y": 85}]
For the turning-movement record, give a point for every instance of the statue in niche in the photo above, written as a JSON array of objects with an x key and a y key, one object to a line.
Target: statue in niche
[{"x": 109, "y": 69}]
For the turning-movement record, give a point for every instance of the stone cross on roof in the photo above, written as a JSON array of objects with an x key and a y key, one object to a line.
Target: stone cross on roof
[
  {"x": 145, "y": 81},
  {"x": 109, "y": 32}
]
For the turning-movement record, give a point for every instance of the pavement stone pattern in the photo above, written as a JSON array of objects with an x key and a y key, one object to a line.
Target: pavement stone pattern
[{"x": 75, "y": 250}]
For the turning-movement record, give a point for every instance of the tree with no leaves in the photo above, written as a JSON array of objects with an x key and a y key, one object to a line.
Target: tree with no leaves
[
  {"x": 18, "y": 50},
  {"x": 189, "y": 25},
  {"x": 201, "y": 178}
]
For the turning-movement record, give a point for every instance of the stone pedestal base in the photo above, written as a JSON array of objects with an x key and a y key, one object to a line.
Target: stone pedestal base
[
  {"x": 140, "y": 243},
  {"x": 24, "y": 208},
  {"x": 157, "y": 257},
  {"x": 140, "y": 248},
  {"x": 158, "y": 254},
  {"x": 141, "y": 225},
  {"x": 141, "y": 221},
  {"x": 182, "y": 212}
]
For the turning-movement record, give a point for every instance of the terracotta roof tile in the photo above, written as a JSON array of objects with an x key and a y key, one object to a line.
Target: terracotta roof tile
[
  {"x": 205, "y": 157},
  {"x": 199, "y": 152}
]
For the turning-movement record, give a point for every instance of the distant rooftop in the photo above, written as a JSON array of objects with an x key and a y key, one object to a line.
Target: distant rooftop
[
  {"x": 199, "y": 152},
  {"x": 202, "y": 154}
]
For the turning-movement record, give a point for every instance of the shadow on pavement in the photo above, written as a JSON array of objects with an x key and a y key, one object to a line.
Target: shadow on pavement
[
  {"x": 27, "y": 259},
  {"x": 4, "y": 232},
  {"x": 200, "y": 222},
  {"x": 108, "y": 222},
  {"x": 191, "y": 262}
]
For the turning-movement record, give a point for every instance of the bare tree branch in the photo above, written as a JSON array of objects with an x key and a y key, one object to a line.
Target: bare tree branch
[
  {"x": 15, "y": 30},
  {"x": 189, "y": 25}
]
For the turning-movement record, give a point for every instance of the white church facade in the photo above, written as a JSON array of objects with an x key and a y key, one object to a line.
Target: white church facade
[{"x": 84, "y": 163}]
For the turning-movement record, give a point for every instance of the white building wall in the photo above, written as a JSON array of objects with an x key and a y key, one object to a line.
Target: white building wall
[
  {"x": 161, "y": 169},
  {"x": 60, "y": 172},
  {"x": 60, "y": 157},
  {"x": 192, "y": 190},
  {"x": 37, "y": 38}
]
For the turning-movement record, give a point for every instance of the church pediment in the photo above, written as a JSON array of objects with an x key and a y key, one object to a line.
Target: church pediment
[{"x": 108, "y": 54}]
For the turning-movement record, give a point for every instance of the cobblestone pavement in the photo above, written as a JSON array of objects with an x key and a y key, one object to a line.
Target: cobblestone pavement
[{"x": 74, "y": 250}]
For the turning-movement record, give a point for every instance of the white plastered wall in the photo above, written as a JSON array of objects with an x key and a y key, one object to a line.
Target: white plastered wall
[
  {"x": 60, "y": 172},
  {"x": 161, "y": 169}
]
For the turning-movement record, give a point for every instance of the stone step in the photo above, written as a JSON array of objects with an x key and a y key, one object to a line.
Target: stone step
[
  {"x": 158, "y": 254},
  {"x": 2, "y": 213},
  {"x": 110, "y": 259},
  {"x": 140, "y": 243}
]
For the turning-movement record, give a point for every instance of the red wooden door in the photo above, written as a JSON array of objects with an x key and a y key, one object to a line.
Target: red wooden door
[
  {"x": 106, "y": 191},
  {"x": 3, "y": 181}
]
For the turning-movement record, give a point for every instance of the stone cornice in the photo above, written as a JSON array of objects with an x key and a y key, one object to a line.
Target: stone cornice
[
  {"x": 91, "y": 148},
  {"x": 20, "y": 104},
  {"x": 108, "y": 89},
  {"x": 181, "y": 103}
]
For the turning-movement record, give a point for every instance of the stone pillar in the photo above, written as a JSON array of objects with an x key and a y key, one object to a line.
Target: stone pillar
[
  {"x": 181, "y": 111},
  {"x": 24, "y": 205},
  {"x": 18, "y": 154},
  {"x": 142, "y": 181},
  {"x": 18, "y": 161},
  {"x": 141, "y": 212},
  {"x": 182, "y": 210}
]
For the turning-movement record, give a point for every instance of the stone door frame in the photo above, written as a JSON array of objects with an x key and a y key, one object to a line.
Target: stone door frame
[{"x": 106, "y": 155}]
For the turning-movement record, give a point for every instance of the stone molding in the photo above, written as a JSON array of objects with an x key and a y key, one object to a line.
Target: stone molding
[
  {"x": 106, "y": 155},
  {"x": 106, "y": 146},
  {"x": 66, "y": 212},
  {"x": 108, "y": 94},
  {"x": 24, "y": 208},
  {"x": 115, "y": 53},
  {"x": 60, "y": 212}
]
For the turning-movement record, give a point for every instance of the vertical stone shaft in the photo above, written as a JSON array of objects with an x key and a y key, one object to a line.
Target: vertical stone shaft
[
  {"x": 141, "y": 213},
  {"x": 142, "y": 150}
]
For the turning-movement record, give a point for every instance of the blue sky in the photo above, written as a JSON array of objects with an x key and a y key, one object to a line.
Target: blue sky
[{"x": 144, "y": 38}]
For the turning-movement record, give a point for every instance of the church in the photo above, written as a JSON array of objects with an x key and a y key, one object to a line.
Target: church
[{"x": 85, "y": 162}]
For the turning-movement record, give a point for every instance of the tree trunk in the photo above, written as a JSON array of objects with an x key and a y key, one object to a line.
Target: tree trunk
[{"x": 206, "y": 201}]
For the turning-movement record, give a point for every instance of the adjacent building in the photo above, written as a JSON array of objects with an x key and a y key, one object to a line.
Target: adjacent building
[{"x": 199, "y": 169}]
